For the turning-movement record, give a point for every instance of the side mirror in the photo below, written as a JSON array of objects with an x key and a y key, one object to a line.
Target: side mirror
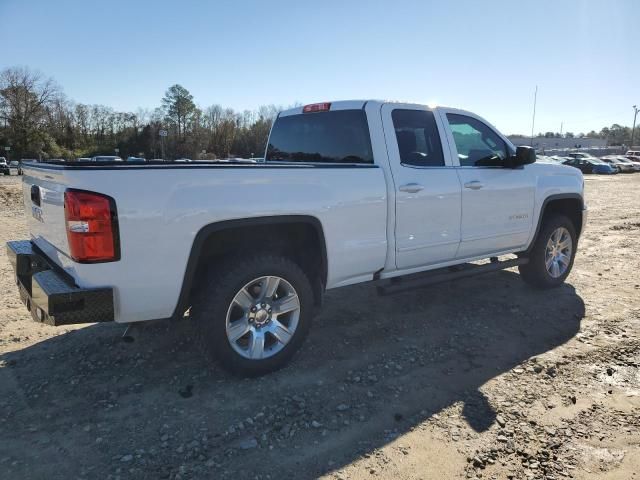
[{"x": 524, "y": 156}]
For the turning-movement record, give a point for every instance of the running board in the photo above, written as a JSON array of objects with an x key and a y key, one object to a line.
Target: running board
[{"x": 410, "y": 282}]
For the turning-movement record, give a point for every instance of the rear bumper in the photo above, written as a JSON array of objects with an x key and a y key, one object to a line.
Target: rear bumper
[{"x": 50, "y": 296}]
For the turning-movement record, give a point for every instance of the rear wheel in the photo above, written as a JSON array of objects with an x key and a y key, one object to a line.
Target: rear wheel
[
  {"x": 254, "y": 312},
  {"x": 551, "y": 258}
]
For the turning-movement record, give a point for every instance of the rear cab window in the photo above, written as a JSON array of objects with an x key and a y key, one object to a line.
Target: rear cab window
[{"x": 340, "y": 136}]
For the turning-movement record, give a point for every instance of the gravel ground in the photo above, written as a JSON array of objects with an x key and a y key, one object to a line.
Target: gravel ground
[{"x": 481, "y": 378}]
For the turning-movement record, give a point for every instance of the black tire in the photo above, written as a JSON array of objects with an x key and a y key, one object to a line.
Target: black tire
[
  {"x": 535, "y": 272},
  {"x": 214, "y": 298}
]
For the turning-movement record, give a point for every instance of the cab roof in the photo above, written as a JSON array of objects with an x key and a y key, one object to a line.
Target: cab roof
[{"x": 343, "y": 105}]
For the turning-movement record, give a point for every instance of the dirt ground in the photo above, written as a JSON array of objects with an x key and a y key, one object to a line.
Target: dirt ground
[{"x": 483, "y": 378}]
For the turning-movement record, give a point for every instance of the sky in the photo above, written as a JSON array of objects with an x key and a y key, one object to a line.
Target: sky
[{"x": 485, "y": 56}]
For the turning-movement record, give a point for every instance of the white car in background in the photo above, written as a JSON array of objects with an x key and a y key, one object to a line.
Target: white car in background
[
  {"x": 4, "y": 167},
  {"x": 618, "y": 164},
  {"x": 633, "y": 155},
  {"x": 559, "y": 158},
  {"x": 635, "y": 164}
]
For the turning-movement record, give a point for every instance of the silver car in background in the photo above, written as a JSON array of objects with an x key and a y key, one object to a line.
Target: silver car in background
[{"x": 618, "y": 164}]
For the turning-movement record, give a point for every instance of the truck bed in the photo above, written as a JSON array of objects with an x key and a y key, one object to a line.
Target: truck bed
[{"x": 161, "y": 207}]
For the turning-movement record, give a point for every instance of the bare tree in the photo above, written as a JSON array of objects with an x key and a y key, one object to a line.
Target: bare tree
[{"x": 25, "y": 97}]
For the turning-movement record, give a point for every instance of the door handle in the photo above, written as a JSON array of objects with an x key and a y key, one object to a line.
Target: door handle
[
  {"x": 411, "y": 188},
  {"x": 475, "y": 185}
]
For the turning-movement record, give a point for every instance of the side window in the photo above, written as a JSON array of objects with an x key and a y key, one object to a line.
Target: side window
[
  {"x": 418, "y": 138},
  {"x": 477, "y": 144}
]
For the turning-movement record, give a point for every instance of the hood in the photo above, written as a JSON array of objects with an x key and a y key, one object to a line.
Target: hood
[{"x": 550, "y": 168}]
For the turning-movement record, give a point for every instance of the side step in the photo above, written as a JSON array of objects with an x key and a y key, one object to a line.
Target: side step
[{"x": 410, "y": 282}]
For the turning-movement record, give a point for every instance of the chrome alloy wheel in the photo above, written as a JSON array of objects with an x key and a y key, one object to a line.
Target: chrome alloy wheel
[
  {"x": 262, "y": 317},
  {"x": 558, "y": 252}
]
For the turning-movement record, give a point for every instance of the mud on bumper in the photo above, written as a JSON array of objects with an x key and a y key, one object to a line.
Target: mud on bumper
[{"x": 51, "y": 296}]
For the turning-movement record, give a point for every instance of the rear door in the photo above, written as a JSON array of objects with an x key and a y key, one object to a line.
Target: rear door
[
  {"x": 427, "y": 189},
  {"x": 497, "y": 201}
]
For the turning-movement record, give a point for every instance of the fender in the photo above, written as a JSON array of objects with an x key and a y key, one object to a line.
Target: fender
[
  {"x": 208, "y": 230},
  {"x": 551, "y": 198}
]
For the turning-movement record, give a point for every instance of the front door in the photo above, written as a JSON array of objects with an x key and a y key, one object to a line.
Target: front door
[
  {"x": 427, "y": 189},
  {"x": 497, "y": 201}
]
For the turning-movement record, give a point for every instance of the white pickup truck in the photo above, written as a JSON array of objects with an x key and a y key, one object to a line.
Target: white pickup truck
[{"x": 353, "y": 191}]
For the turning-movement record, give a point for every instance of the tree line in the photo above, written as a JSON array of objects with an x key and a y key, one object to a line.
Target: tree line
[
  {"x": 38, "y": 121},
  {"x": 614, "y": 135}
]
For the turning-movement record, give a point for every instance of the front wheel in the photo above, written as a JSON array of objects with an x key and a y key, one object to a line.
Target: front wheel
[
  {"x": 552, "y": 255},
  {"x": 254, "y": 312}
]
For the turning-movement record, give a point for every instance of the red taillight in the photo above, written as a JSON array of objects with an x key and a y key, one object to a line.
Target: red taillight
[
  {"x": 92, "y": 226},
  {"x": 316, "y": 107}
]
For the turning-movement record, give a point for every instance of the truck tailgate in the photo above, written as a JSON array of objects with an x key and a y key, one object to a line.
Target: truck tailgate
[{"x": 43, "y": 192}]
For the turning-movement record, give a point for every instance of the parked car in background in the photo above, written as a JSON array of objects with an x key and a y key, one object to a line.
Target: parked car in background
[
  {"x": 135, "y": 159},
  {"x": 559, "y": 158},
  {"x": 83, "y": 159},
  {"x": 635, "y": 163},
  {"x": 624, "y": 162},
  {"x": 633, "y": 155},
  {"x": 4, "y": 167},
  {"x": 580, "y": 155},
  {"x": 15, "y": 165},
  {"x": 106, "y": 158},
  {"x": 591, "y": 165},
  {"x": 618, "y": 165}
]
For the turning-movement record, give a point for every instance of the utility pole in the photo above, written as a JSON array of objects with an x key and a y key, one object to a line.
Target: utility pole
[
  {"x": 533, "y": 122},
  {"x": 561, "y": 124},
  {"x": 633, "y": 130}
]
